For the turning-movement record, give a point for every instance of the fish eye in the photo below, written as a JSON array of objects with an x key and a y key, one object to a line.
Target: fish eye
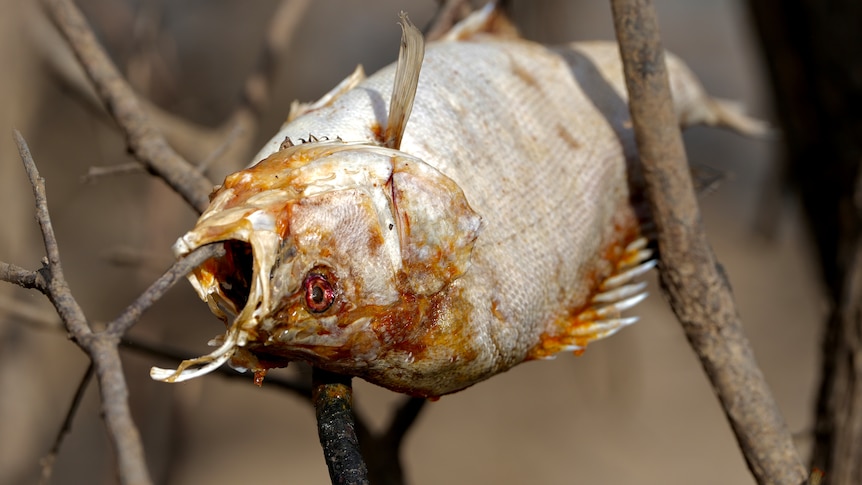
[{"x": 319, "y": 293}]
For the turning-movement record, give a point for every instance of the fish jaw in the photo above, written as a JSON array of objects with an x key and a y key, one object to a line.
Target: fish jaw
[{"x": 338, "y": 254}]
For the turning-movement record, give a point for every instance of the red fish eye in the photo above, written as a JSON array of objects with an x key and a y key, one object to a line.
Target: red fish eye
[{"x": 319, "y": 294}]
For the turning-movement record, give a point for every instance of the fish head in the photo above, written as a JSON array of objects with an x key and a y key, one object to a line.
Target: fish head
[{"x": 325, "y": 244}]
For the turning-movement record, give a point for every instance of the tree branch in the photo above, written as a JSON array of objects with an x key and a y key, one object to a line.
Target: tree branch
[
  {"x": 227, "y": 146},
  {"x": 57, "y": 288},
  {"x": 690, "y": 275},
  {"x": 22, "y": 277},
  {"x": 133, "y": 312},
  {"x": 145, "y": 142},
  {"x": 101, "y": 348}
]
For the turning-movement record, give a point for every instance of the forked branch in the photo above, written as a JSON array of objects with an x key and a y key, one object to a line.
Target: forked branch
[
  {"x": 145, "y": 142},
  {"x": 100, "y": 347}
]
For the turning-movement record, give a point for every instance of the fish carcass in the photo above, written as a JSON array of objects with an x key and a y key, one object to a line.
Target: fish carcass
[{"x": 503, "y": 223}]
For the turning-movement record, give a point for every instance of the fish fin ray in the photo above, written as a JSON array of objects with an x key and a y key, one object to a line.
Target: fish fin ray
[
  {"x": 602, "y": 316},
  {"x": 406, "y": 81}
]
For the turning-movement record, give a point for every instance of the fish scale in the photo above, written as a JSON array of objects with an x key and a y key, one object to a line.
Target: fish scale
[{"x": 502, "y": 227}]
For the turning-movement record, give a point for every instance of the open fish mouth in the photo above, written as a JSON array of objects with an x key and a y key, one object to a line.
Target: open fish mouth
[{"x": 234, "y": 287}]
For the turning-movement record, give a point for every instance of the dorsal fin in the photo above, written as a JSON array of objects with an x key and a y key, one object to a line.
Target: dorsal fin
[{"x": 406, "y": 80}]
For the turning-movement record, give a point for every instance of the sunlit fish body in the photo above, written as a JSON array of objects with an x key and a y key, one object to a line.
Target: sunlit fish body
[{"x": 501, "y": 224}]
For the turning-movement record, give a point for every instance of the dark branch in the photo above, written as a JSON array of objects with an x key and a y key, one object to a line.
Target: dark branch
[
  {"x": 332, "y": 396},
  {"x": 692, "y": 278}
]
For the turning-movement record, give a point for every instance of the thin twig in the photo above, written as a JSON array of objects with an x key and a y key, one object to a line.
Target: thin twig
[
  {"x": 145, "y": 142},
  {"x": 225, "y": 147},
  {"x": 48, "y": 460},
  {"x": 124, "y": 434},
  {"x": 57, "y": 289},
  {"x": 96, "y": 172},
  {"x": 690, "y": 275},
  {"x": 22, "y": 277},
  {"x": 133, "y": 312}
]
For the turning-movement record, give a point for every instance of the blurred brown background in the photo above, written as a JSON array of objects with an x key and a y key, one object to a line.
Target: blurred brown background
[{"x": 634, "y": 409}]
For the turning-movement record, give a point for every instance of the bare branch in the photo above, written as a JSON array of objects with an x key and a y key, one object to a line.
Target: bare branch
[
  {"x": 22, "y": 277},
  {"x": 57, "y": 289},
  {"x": 101, "y": 348},
  {"x": 226, "y": 147},
  {"x": 94, "y": 173},
  {"x": 122, "y": 431},
  {"x": 145, "y": 142},
  {"x": 692, "y": 278},
  {"x": 133, "y": 312}
]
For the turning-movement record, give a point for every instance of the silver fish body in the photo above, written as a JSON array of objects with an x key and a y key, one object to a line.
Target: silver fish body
[{"x": 505, "y": 228}]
